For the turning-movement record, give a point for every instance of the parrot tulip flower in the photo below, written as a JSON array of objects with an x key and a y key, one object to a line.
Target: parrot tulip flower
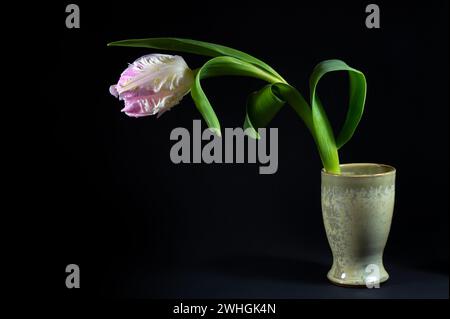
[{"x": 153, "y": 84}]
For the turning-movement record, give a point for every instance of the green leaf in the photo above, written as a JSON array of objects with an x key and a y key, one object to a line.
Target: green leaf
[
  {"x": 263, "y": 105},
  {"x": 220, "y": 66},
  {"x": 196, "y": 47},
  {"x": 357, "y": 96},
  {"x": 324, "y": 133}
]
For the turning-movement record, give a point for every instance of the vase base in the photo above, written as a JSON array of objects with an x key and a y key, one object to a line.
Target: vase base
[{"x": 355, "y": 283}]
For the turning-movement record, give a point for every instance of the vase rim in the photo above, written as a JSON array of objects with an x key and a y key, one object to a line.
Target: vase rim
[{"x": 388, "y": 170}]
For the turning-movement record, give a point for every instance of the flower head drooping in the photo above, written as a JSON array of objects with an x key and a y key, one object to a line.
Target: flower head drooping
[{"x": 153, "y": 84}]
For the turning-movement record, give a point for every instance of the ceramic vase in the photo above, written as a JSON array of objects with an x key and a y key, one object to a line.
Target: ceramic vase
[{"x": 357, "y": 209}]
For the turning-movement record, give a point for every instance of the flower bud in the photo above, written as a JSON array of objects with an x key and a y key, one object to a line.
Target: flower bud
[{"x": 153, "y": 84}]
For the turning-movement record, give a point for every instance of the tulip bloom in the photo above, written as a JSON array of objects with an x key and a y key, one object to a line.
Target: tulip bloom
[{"x": 153, "y": 84}]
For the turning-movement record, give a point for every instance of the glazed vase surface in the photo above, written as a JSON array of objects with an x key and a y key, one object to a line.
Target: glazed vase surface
[{"x": 357, "y": 209}]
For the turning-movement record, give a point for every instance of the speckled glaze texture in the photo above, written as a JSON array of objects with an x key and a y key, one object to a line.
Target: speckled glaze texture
[{"x": 357, "y": 208}]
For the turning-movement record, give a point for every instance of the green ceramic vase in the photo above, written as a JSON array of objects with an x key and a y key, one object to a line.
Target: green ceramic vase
[{"x": 357, "y": 208}]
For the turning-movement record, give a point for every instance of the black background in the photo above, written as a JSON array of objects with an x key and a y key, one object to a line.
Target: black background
[{"x": 138, "y": 225}]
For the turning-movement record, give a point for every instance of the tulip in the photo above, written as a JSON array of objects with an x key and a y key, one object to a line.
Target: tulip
[
  {"x": 153, "y": 84},
  {"x": 261, "y": 105}
]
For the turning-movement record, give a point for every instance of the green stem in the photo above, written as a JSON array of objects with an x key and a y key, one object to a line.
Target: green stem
[{"x": 328, "y": 155}]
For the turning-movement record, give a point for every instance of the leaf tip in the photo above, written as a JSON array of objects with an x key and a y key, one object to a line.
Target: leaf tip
[
  {"x": 216, "y": 131},
  {"x": 252, "y": 133}
]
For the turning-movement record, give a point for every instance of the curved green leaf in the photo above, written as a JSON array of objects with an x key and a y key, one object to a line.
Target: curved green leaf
[
  {"x": 263, "y": 105},
  {"x": 219, "y": 66},
  {"x": 324, "y": 133},
  {"x": 196, "y": 47},
  {"x": 357, "y": 95}
]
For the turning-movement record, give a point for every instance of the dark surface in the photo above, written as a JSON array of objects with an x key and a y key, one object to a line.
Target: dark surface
[
  {"x": 266, "y": 278},
  {"x": 110, "y": 200}
]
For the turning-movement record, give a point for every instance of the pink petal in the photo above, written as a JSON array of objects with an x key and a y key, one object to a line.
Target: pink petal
[{"x": 143, "y": 102}]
